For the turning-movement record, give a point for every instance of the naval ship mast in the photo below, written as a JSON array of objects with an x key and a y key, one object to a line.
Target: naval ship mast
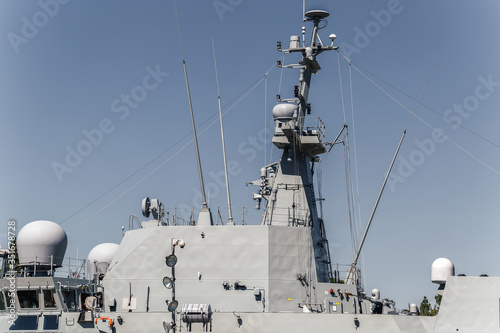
[
  {"x": 214, "y": 278},
  {"x": 287, "y": 185}
]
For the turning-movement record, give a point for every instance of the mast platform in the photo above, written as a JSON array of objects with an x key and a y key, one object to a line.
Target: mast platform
[{"x": 311, "y": 140}]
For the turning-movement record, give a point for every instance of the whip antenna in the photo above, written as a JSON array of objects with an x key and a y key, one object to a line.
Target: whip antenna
[
  {"x": 205, "y": 217},
  {"x": 230, "y": 218}
]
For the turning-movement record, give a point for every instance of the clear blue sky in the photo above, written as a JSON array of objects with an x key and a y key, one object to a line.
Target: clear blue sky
[{"x": 65, "y": 69}]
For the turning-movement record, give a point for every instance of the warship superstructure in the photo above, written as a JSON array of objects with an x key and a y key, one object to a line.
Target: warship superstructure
[{"x": 201, "y": 277}]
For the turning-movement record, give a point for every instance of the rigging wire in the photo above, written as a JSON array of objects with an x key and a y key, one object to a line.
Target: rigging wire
[
  {"x": 195, "y": 136},
  {"x": 265, "y": 120},
  {"x": 432, "y": 127},
  {"x": 231, "y": 104},
  {"x": 164, "y": 162},
  {"x": 357, "y": 212},
  {"x": 424, "y": 105},
  {"x": 353, "y": 199},
  {"x": 341, "y": 88},
  {"x": 133, "y": 186},
  {"x": 348, "y": 193},
  {"x": 319, "y": 180},
  {"x": 351, "y": 189},
  {"x": 230, "y": 212},
  {"x": 354, "y": 145},
  {"x": 360, "y": 247}
]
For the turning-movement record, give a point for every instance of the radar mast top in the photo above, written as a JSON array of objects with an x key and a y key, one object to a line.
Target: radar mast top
[{"x": 317, "y": 14}]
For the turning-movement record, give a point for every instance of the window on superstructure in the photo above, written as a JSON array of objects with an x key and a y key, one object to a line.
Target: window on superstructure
[
  {"x": 28, "y": 299},
  {"x": 50, "y": 322},
  {"x": 69, "y": 299},
  {"x": 48, "y": 299},
  {"x": 25, "y": 323},
  {"x": 10, "y": 299},
  {"x": 2, "y": 301}
]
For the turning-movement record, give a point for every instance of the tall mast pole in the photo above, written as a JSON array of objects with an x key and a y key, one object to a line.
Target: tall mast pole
[
  {"x": 205, "y": 217},
  {"x": 195, "y": 136},
  {"x": 230, "y": 220}
]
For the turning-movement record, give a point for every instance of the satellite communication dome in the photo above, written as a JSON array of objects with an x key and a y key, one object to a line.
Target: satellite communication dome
[
  {"x": 38, "y": 241},
  {"x": 376, "y": 293},
  {"x": 284, "y": 111},
  {"x": 100, "y": 258},
  {"x": 441, "y": 269}
]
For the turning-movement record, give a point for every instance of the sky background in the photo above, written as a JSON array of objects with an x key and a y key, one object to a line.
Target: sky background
[{"x": 67, "y": 74}]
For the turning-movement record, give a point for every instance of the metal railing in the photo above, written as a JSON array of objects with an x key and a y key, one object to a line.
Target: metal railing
[
  {"x": 176, "y": 216},
  {"x": 314, "y": 126},
  {"x": 241, "y": 215},
  {"x": 45, "y": 266}
]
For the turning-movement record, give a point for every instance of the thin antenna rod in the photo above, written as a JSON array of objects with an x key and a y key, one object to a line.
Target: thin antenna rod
[
  {"x": 230, "y": 218},
  {"x": 360, "y": 247},
  {"x": 265, "y": 118},
  {"x": 304, "y": 10},
  {"x": 198, "y": 160}
]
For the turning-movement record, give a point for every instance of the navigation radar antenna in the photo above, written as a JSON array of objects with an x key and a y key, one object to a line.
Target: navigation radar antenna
[
  {"x": 153, "y": 206},
  {"x": 316, "y": 16},
  {"x": 146, "y": 204}
]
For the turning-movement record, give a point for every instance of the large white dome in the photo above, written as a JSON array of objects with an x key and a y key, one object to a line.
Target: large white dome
[
  {"x": 441, "y": 269},
  {"x": 37, "y": 241},
  {"x": 100, "y": 257}
]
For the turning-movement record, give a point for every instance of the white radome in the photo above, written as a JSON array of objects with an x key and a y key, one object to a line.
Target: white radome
[
  {"x": 441, "y": 269},
  {"x": 100, "y": 257},
  {"x": 376, "y": 293},
  {"x": 37, "y": 241},
  {"x": 284, "y": 111}
]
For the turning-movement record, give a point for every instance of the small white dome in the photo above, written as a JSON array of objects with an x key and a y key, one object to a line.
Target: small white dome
[
  {"x": 376, "y": 293},
  {"x": 441, "y": 269},
  {"x": 284, "y": 111},
  {"x": 100, "y": 257},
  {"x": 37, "y": 241}
]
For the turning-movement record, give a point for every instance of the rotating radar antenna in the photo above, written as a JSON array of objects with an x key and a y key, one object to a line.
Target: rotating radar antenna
[
  {"x": 146, "y": 204},
  {"x": 153, "y": 206}
]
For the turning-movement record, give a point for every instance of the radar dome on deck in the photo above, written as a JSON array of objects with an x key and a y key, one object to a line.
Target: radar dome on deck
[
  {"x": 376, "y": 294},
  {"x": 100, "y": 258},
  {"x": 38, "y": 241},
  {"x": 441, "y": 269},
  {"x": 284, "y": 111}
]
